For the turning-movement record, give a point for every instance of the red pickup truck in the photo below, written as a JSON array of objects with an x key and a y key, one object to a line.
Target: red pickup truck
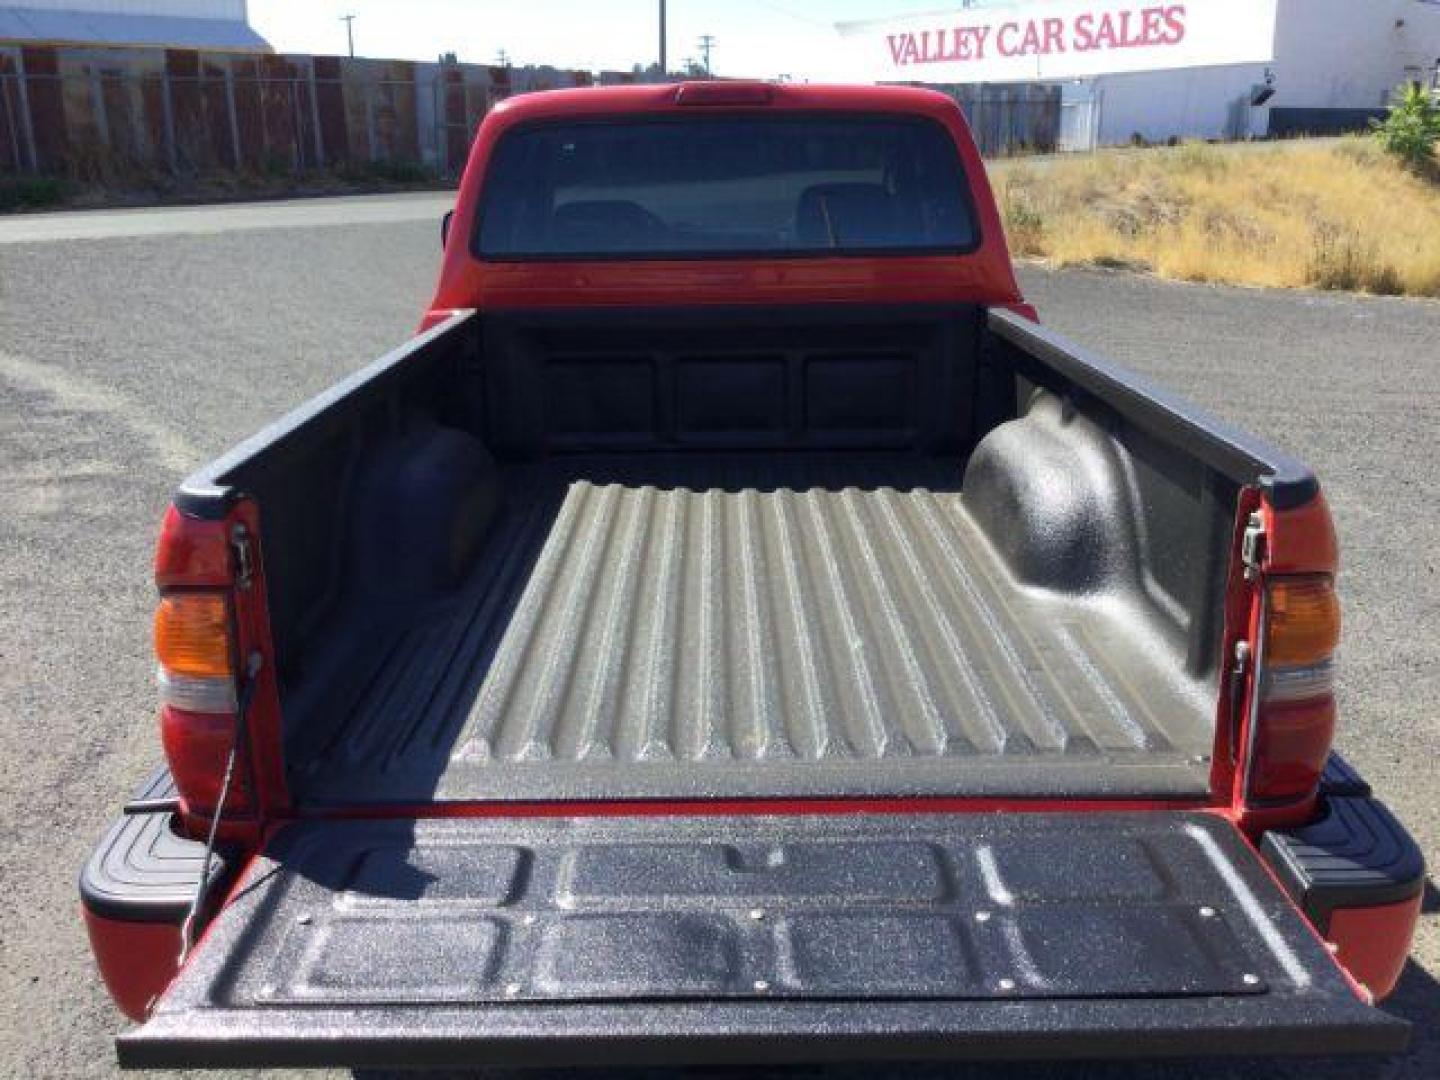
[{"x": 733, "y": 630}]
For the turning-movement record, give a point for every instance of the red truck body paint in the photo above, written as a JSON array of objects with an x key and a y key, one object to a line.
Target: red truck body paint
[{"x": 137, "y": 960}]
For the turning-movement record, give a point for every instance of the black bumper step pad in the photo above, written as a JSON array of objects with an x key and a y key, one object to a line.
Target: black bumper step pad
[
  {"x": 1355, "y": 855},
  {"x": 142, "y": 870},
  {"x": 1341, "y": 780}
]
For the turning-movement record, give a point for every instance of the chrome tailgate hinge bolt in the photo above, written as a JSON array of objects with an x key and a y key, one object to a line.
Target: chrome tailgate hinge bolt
[{"x": 1252, "y": 546}]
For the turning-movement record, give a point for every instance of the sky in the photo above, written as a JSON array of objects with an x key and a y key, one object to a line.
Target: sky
[{"x": 757, "y": 38}]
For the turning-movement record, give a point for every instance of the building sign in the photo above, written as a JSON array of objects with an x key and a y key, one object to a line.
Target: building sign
[{"x": 1062, "y": 39}]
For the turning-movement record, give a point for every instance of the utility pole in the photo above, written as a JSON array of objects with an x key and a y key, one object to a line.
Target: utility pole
[
  {"x": 349, "y": 21},
  {"x": 502, "y": 58},
  {"x": 663, "y": 66},
  {"x": 707, "y": 41}
]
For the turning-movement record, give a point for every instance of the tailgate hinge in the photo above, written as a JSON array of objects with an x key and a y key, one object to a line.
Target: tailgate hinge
[
  {"x": 1252, "y": 546},
  {"x": 244, "y": 561}
]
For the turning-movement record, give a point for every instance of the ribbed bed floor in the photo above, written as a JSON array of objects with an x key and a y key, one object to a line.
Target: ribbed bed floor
[{"x": 719, "y": 625}]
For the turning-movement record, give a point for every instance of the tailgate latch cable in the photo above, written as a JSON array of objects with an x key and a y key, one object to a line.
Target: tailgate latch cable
[{"x": 202, "y": 888}]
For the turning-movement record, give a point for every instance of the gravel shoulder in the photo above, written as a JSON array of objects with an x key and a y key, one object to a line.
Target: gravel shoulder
[{"x": 129, "y": 359}]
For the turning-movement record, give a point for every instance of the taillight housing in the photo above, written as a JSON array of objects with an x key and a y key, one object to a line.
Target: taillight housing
[
  {"x": 196, "y": 655},
  {"x": 1295, "y": 690}
]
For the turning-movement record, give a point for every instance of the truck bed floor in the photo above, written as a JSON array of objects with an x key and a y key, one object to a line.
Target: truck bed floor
[{"x": 730, "y": 625}]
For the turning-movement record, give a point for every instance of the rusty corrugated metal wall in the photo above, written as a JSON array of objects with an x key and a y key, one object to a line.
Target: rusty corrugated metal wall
[
  {"x": 101, "y": 113},
  {"x": 104, "y": 114}
]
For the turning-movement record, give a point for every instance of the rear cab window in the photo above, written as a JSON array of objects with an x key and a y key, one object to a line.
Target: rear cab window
[{"x": 737, "y": 185}]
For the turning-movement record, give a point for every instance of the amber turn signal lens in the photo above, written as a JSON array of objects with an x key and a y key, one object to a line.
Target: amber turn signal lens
[
  {"x": 1304, "y": 621},
  {"x": 192, "y": 635}
]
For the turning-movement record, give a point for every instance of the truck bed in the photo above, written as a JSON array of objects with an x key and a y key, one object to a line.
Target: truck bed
[{"x": 712, "y": 624}]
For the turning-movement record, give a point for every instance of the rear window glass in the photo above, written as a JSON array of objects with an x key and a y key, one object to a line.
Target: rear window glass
[{"x": 725, "y": 186}]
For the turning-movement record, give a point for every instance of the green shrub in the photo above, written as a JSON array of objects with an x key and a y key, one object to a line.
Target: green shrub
[{"x": 1412, "y": 129}]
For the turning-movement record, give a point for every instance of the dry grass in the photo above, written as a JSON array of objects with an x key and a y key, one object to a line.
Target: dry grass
[{"x": 1332, "y": 215}]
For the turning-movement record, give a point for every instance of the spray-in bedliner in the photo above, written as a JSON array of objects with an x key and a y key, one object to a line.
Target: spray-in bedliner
[{"x": 711, "y": 625}]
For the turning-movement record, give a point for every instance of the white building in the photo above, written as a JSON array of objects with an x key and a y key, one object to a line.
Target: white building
[
  {"x": 1336, "y": 62},
  {"x": 1159, "y": 69},
  {"x": 183, "y": 24}
]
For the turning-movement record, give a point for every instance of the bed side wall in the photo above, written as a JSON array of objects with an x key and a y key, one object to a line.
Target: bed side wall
[{"x": 1079, "y": 500}]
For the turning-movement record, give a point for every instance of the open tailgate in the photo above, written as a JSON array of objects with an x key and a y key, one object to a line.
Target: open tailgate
[{"x": 650, "y": 939}]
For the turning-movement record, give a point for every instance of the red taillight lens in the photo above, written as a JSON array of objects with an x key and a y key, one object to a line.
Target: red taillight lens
[
  {"x": 1292, "y": 741},
  {"x": 197, "y": 746},
  {"x": 192, "y": 553},
  {"x": 1295, "y": 716}
]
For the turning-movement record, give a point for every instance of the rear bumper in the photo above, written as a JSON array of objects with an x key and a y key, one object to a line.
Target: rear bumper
[
  {"x": 1357, "y": 875},
  {"x": 135, "y": 891},
  {"x": 137, "y": 960}
]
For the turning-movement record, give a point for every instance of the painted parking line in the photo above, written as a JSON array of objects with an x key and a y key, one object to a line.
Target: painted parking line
[{"x": 226, "y": 217}]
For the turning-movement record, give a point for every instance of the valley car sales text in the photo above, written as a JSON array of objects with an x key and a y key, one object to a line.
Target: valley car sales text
[{"x": 1086, "y": 32}]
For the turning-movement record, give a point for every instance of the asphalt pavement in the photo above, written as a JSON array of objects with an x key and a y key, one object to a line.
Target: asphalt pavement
[{"x": 136, "y": 344}]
